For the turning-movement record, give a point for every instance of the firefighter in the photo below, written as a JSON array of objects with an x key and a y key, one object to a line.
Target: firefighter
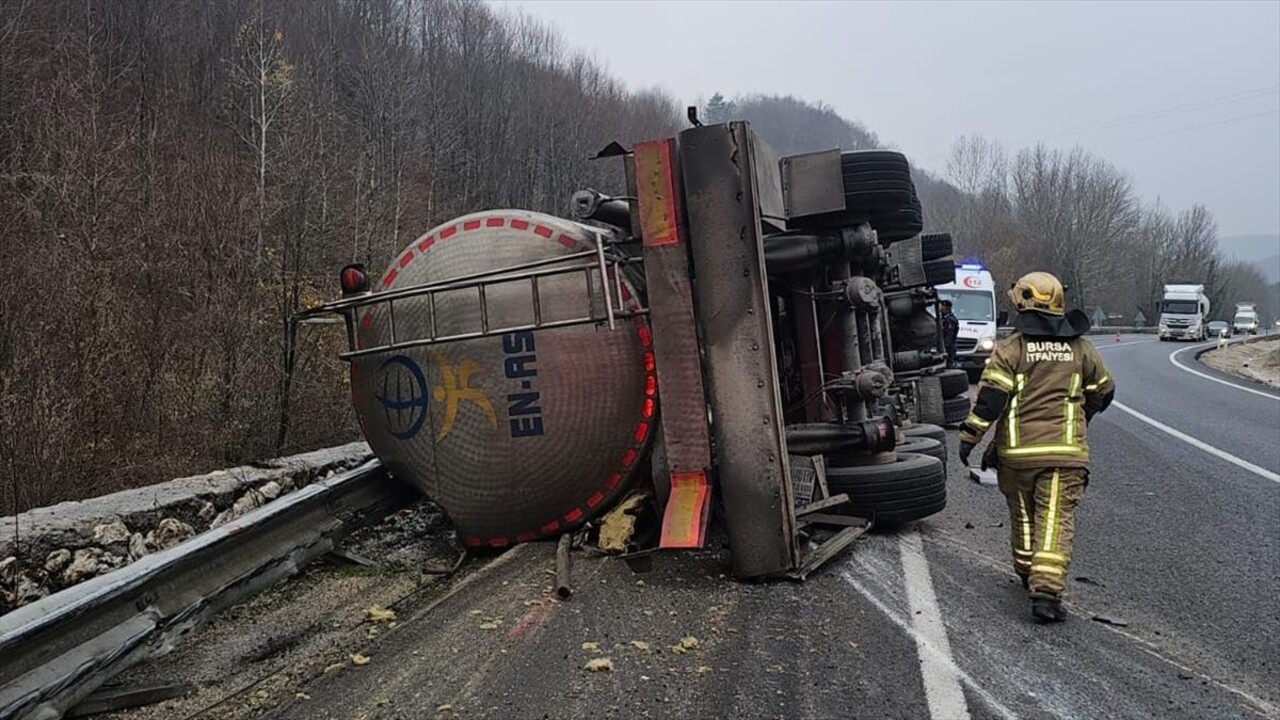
[{"x": 1040, "y": 389}]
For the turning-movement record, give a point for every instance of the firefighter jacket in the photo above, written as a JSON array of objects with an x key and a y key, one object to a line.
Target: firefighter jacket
[{"x": 1040, "y": 391}]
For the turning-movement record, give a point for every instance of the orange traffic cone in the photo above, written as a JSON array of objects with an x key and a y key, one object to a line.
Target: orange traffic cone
[{"x": 1118, "y": 337}]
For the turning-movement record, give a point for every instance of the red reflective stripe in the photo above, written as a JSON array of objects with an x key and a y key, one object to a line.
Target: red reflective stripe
[
  {"x": 642, "y": 431},
  {"x": 495, "y": 222},
  {"x": 520, "y": 224},
  {"x": 544, "y": 231},
  {"x": 550, "y": 527},
  {"x": 426, "y": 243},
  {"x": 406, "y": 258},
  {"x": 449, "y": 232},
  {"x": 595, "y": 499},
  {"x": 573, "y": 515},
  {"x": 471, "y": 225}
]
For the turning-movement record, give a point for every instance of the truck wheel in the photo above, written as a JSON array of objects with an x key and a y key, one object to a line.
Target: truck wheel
[
  {"x": 939, "y": 272},
  {"x": 956, "y": 409},
  {"x": 924, "y": 446},
  {"x": 936, "y": 245},
  {"x": 930, "y": 401},
  {"x": 954, "y": 382},
  {"x": 913, "y": 487},
  {"x": 925, "y": 430}
]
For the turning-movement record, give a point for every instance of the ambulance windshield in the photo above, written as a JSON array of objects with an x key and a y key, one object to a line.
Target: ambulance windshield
[{"x": 976, "y": 306}]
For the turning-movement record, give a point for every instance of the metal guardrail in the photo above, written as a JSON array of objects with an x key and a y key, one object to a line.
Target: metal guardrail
[{"x": 56, "y": 651}]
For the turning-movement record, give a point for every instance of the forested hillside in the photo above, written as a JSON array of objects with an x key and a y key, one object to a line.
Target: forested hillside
[{"x": 176, "y": 178}]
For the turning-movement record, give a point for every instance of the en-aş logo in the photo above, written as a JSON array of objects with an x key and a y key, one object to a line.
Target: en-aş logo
[
  {"x": 405, "y": 398},
  {"x": 456, "y": 389}
]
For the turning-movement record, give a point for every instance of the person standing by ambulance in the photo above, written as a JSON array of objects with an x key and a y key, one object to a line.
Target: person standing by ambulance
[
  {"x": 950, "y": 331},
  {"x": 1040, "y": 389}
]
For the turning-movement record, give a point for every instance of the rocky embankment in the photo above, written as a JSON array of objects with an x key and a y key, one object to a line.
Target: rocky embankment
[{"x": 48, "y": 549}]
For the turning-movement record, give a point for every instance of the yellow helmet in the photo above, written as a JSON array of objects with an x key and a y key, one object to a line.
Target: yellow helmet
[{"x": 1038, "y": 291}]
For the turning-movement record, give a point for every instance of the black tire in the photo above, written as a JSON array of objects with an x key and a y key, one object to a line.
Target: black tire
[
  {"x": 939, "y": 272},
  {"x": 913, "y": 487},
  {"x": 931, "y": 404},
  {"x": 923, "y": 446},
  {"x": 925, "y": 430},
  {"x": 955, "y": 409},
  {"x": 936, "y": 245},
  {"x": 954, "y": 382}
]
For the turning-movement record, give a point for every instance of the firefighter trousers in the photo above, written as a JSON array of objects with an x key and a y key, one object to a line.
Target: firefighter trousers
[{"x": 1042, "y": 506}]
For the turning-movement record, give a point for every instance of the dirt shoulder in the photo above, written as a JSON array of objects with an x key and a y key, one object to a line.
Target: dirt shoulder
[{"x": 1257, "y": 361}]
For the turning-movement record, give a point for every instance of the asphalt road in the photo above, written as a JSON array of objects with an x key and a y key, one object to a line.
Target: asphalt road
[{"x": 1177, "y": 543}]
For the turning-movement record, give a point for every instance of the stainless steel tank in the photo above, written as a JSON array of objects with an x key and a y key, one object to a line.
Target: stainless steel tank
[{"x": 520, "y": 435}]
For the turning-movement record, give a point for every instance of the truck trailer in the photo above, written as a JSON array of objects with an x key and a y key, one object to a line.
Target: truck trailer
[{"x": 729, "y": 318}]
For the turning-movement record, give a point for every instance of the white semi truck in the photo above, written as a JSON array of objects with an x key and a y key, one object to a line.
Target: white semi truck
[
  {"x": 1184, "y": 313},
  {"x": 1246, "y": 319}
]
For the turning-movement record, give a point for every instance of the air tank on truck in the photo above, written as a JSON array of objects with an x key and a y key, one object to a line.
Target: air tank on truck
[
  {"x": 527, "y": 372},
  {"x": 1184, "y": 313}
]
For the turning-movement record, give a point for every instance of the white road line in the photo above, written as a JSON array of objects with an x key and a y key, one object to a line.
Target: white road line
[
  {"x": 941, "y": 683},
  {"x": 1173, "y": 358},
  {"x": 1222, "y": 454},
  {"x": 938, "y": 657}
]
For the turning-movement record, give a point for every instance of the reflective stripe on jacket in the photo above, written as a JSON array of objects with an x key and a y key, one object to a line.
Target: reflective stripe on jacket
[{"x": 1053, "y": 385}]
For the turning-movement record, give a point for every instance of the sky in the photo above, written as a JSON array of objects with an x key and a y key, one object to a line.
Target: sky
[{"x": 1183, "y": 96}]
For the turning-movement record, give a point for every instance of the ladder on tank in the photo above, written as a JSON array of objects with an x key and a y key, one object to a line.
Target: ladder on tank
[{"x": 601, "y": 273}]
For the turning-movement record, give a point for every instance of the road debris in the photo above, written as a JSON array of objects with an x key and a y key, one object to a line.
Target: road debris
[
  {"x": 619, "y": 524},
  {"x": 377, "y": 613},
  {"x": 359, "y": 660},
  {"x": 564, "y": 587},
  {"x": 591, "y": 647},
  {"x": 640, "y": 645},
  {"x": 685, "y": 645},
  {"x": 599, "y": 665},
  {"x": 1111, "y": 620},
  {"x": 1090, "y": 581}
]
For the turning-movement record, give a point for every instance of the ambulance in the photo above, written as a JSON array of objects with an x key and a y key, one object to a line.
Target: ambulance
[{"x": 973, "y": 300}]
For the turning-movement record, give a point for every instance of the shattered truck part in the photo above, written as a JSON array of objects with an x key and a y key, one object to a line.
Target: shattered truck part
[{"x": 516, "y": 435}]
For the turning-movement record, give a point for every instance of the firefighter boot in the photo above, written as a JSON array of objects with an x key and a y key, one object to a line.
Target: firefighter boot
[{"x": 1047, "y": 608}]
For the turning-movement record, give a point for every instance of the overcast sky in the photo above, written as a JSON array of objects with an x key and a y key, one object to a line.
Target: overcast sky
[{"x": 1183, "y": 96}]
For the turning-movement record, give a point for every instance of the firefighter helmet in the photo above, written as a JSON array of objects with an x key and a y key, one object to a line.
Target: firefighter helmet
[{"x": 1038, "y": 291}]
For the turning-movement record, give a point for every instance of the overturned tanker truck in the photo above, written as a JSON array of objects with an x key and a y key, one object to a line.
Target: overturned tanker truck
[{"x": 733, "y": 317}]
